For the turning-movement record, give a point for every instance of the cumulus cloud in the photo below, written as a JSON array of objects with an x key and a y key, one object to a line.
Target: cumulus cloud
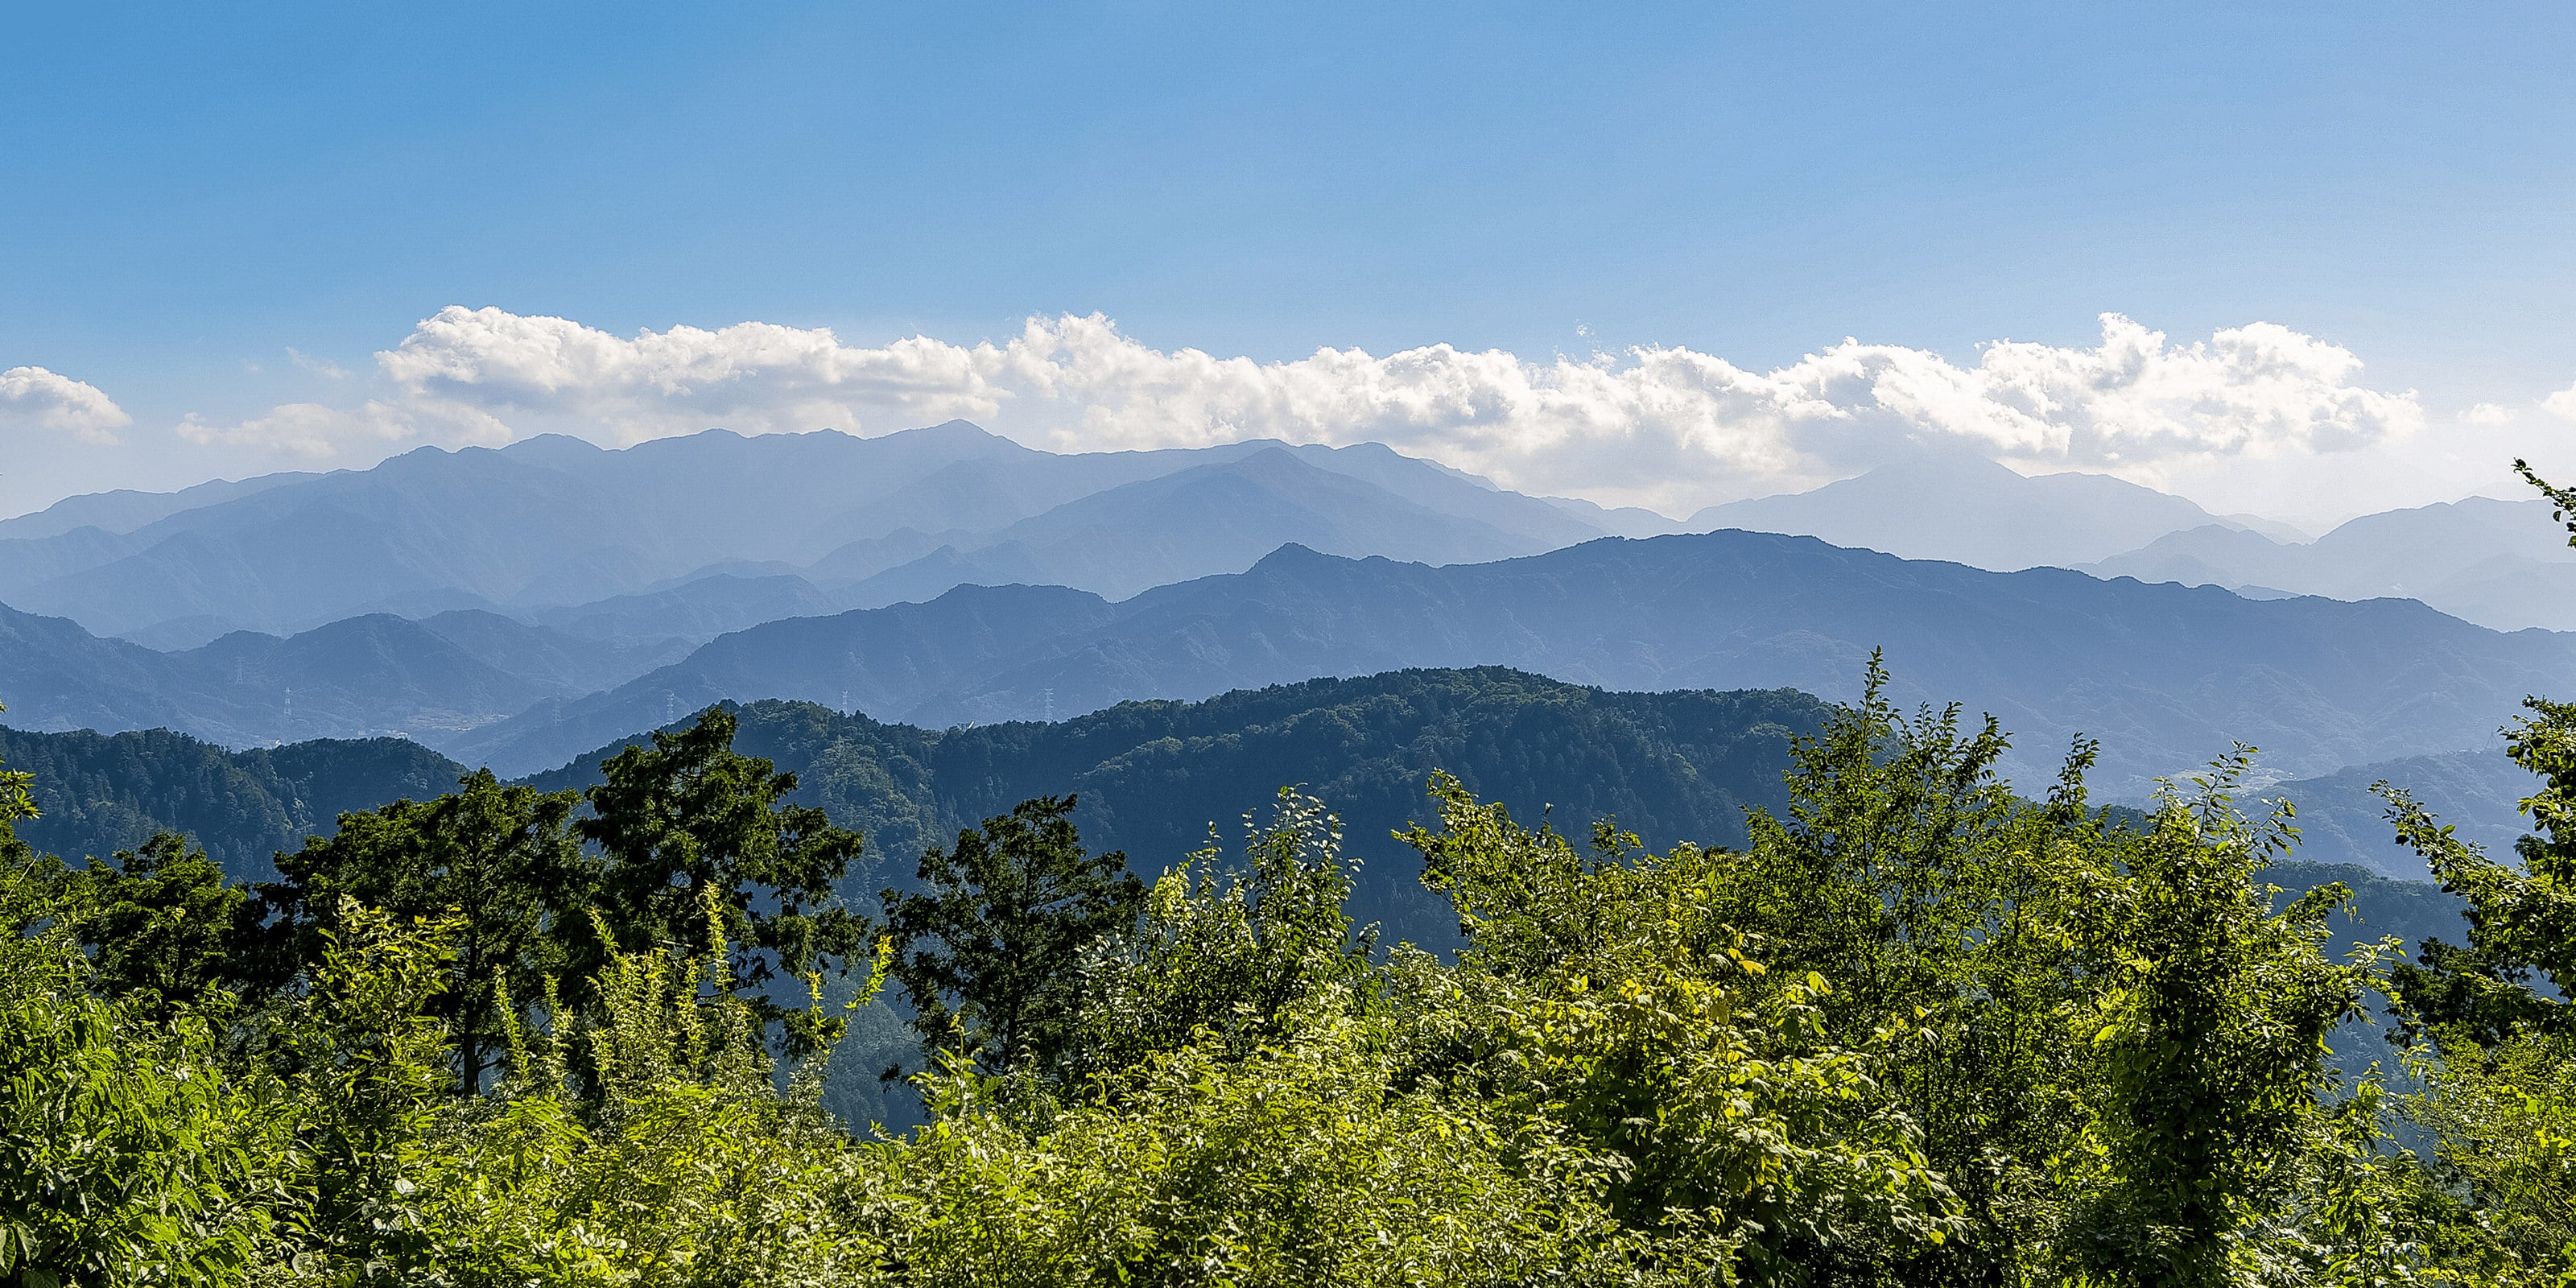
[
  {"x": 2562, "y": 403},
  {"x": 2487, "y": 413},
  {"x": 1659, "y": 426},
  {"x": 752, "y": 377},
  {"x": 313, "y": 430},
  {"x": 58, "y": 402}
]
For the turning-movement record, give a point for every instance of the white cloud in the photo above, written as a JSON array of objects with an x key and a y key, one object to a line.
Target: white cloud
[
  {"x": 752, "y": 377},
  {"x": 2487, "y": 413},
  {"x": 322, "y": 367},
  {"x": 1661, "y": 426},
  {"x": 58, "y": 402},
  {"x": 311, "y": 429},
  {"x": 2562, "y": 403}
]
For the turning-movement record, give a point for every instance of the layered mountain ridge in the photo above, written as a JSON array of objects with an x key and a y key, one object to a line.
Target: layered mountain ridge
[
  {"x": 2504, "y": 564},
  {"x": 513, "y": 606},
  {"x": 1965, "y": 508},
  {"x": 545, "y": 527},
  {"x": 2166, "y": 677}
]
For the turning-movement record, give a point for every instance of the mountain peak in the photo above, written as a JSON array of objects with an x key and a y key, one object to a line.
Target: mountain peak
[
  {"x": 555, "y": 451},
  {"x": 946, "y": 429}
]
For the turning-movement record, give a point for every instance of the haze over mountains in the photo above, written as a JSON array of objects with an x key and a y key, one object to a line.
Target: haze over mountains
[
  {"x": 517, "y": 606},
  {"x": 691, "y": 537},
  {"x": 372, "y": 674},
  {"x": 2503, "y": 564},
  {"x": 779, "y": 522},
  {"x": 2165, "y": 676},
  {"x": 1965, "y": 508}
]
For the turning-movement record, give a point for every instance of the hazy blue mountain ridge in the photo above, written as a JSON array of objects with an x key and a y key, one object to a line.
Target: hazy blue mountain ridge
[
  {"x": 554, "y": 522},
  {"x": 296, "y": 555},
  {"x": 1622, "y": 521},
  {"x": 562, "y": 660},
  {"x": 374, "y": 674},
  {"x": 2341, "y": 820},
  {"x": 696, "y": 611},
  {"x": 125, "y": 509},
  {"x": 2166, "y": 677},
  {"x": 887, "y": 661},
  {"x": 1965, "y": 508},
  {"x": 1223, "y": 517},
  {"x": 2504, "y": 564}
]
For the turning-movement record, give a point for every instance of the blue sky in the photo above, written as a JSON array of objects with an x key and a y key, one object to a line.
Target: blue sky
[{"x": 190, "y": 192}]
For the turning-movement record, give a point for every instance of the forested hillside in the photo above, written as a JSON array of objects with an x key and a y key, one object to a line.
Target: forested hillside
[
  {"x": 1908, "y": 1029},
  {"x": 101, "y": 794},
  {"x": 1153, "y": 777}
]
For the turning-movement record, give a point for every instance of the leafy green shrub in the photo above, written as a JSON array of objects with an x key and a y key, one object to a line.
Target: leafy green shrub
[
  {"x": 126, "y": 1154},
  {"x": 1917, "y": 1031}
]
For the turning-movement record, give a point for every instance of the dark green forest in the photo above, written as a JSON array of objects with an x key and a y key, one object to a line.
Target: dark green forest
[
  {"x": 1851, "y": 1010},
  {"x": 1152, "y": 777},
  {"x": 104, "y": 793}
]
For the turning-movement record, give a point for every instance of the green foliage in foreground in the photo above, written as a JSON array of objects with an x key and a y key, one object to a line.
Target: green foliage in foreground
[
  {"x": 1916, "y": 1030},
  {"x": 1006, "y": 917}
]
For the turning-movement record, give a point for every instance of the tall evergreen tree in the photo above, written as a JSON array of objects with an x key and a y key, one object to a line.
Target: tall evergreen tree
[
  {"x": 689, "y": 815},
  {"x": 162, "y": 918},
  {"x": 994, "y": 942},
  {"x": 499, "y": 864}
]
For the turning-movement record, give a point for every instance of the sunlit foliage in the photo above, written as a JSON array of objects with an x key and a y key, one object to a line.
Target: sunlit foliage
[{"x": 1917, "y": 1030}]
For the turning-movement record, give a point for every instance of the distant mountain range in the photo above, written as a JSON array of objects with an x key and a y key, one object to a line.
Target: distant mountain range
[
  {"x": 2503, "y": 564},
  {"x": 377, "y": 674},
  {"x": 1968, "y": 509},
  {"x": 2160, "y": 673},
  {"x": 819, "y": 521},
  {"x": 2165, "y": 676},
  {"x": 689, "y": 538},
  {"x": 124, "y": 510},
  {"x": 515, "y": 606}
]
